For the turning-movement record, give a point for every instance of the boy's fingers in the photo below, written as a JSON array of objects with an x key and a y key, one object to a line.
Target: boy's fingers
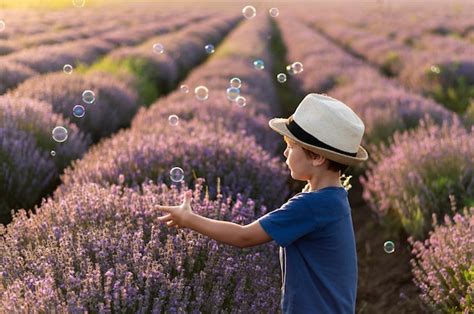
[
  {"x": 165, "y": 218},
  {"x": 187, "y": 197},
  {"x": 165, "y": 208}
]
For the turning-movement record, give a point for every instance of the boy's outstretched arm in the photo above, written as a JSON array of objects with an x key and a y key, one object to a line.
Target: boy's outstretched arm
[{"x": 222, "y": 231}]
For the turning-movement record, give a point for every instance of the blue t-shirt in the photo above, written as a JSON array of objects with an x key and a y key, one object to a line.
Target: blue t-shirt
[{"x": 317, "y": 251}]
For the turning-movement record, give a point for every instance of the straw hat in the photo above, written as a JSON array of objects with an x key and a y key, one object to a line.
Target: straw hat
[{"x": 326, "y": 126}]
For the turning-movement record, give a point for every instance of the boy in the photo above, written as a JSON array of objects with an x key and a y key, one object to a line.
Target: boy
[{"x": 314, "y": 228}]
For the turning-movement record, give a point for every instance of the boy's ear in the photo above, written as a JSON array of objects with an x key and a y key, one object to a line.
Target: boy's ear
[{"x": 318, "y": 160}]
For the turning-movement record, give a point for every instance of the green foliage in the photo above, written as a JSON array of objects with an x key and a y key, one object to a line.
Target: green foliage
[
  {"x": 392, "y": 63},
  {"x": 450, "y": 89},
  {"x": 146, "y": 79}
]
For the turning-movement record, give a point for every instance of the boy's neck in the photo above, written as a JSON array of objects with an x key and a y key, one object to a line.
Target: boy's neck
[{"x": 324, "y": 181}]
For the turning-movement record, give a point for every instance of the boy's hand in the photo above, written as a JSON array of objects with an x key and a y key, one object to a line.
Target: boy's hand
[{"x": 178, "y": 215}]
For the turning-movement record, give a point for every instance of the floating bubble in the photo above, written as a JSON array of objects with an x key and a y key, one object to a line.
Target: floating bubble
[
  {"x": 297, "y": 67},
  {"x": 53, "y": 153},
  {"x": 233, "y": 93},
  {"x": 235, "y": 82},
  {"x": 435, "y": 69},
  {"x": 59, "y": 134},
  {"x": 389, "y": 247},
  {"x": 209, "y": 49},
  {"x": 67, "y": 68},
  {"x": 88, "y": 96},
  {"x": 177, "y": 174},
  {"x": 158, "y": 48},
  {"x": 201, "y": 92},
  {"x": 173, "y": 120},
  {"x": 274, "y": 12},
  {"x": 2, "y": 25},
  {"x": 78, "y": 111},
  {"x": 259, "y": 64},
  {"x": 281, "y": 77},
  {"x": 249, "y": 12},
  {"x": 184, "y": 89},
  {"x": 290, "y": 70},
  {"x": 79, "y": 3},
  {"x": 241, "y": 101}
]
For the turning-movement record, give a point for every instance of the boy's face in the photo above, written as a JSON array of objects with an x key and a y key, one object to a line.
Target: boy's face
[{"x": 300, "y": 166}]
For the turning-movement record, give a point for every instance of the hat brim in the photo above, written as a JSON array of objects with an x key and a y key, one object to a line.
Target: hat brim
[{"x": 279, "y": 125}]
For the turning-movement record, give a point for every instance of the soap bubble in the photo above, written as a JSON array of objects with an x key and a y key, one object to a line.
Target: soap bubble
[
  {"x": 201, "y": 92},
  {"x": 53, "y": 153},
  {"x": 281, "y": 77},
  {"x": 297, "y": 67},
  {"x": 209, "y": 49},
  {"x": 259, "y": 64},
  {"x": 173, "y": 120},
  {"x": 2, "y": 25},
  {"x": 235, "y": 82},
  {"x": 249, "y": 12},
  {"x": 177, "y": 174},
  {"x": 78, "y": 3},
  {"x": 290, "y": 70},
  {"x": 67, "y": 68},
  {"x": 158, "y": 48},
  {"x": 274, "y": 12},
  {"x": 241, "y": 101},
  {"x": 88, "y": 96},
  {"x": 59, "y": 134},
  {"x": 233, "y": 93},
  {"x": 389, "y": 247},
  {"x": 435, "y": 69},
  {"x": 184, "y": 89},
  {"x": 78, "y": 111}
]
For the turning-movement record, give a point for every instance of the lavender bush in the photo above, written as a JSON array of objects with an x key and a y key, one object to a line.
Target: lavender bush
[
  {"x": 26, "y": 172},
  {"x": 158, "y": 73},
  {"x": 385, "y": 110},
  {"x": 443, "y": 266},
  {"x": 27, "y": 169},
  {"x": 382, "y": 103},
  {"x": 38, "y": 119},
  {"x": 229, "y": 159},
  {"x": 411, "y": 179},
  {"x": 325, "y": 63},
  {"x": 11, "y": 74},
  {"x": 7, "y": 47},
  {"x": 102, "y": 249},
  {"x": 50, "y": 58},
  {"x": 216, "y": 110},
  {"x": 114, "y": 106}
]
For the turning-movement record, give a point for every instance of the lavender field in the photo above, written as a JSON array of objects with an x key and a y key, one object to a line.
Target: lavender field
[{"x": 109, "y": 109}]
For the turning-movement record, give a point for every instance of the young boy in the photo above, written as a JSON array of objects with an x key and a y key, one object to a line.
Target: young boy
[{"x": 314, "y": 228}]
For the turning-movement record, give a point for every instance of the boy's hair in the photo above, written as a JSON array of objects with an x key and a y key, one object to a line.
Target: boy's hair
[{"x": 332, "y": 165}]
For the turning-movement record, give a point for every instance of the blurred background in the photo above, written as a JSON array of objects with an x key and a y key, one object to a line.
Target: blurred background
[{"x": 109, "y": 107}]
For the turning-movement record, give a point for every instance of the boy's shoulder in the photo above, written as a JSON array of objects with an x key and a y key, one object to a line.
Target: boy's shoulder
[
  {"x": 327, "y": 192},
  {"x": 322, "y": 200}
]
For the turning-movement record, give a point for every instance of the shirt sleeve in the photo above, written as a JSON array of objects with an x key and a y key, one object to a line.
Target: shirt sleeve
[{"x": 291, "y": 221}]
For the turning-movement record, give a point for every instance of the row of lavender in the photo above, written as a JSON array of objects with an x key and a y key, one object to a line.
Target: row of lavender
[
  {"x": 97, "y": 246},
  {"x": 438, "y": 66},
  {"x": 21, "y": 31},
  {"x": 38, "y": 105},
  {"x": 416, "y": 20},
  {"x": 17, "y": 67},
  {"x": 420, "y": 155}
]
